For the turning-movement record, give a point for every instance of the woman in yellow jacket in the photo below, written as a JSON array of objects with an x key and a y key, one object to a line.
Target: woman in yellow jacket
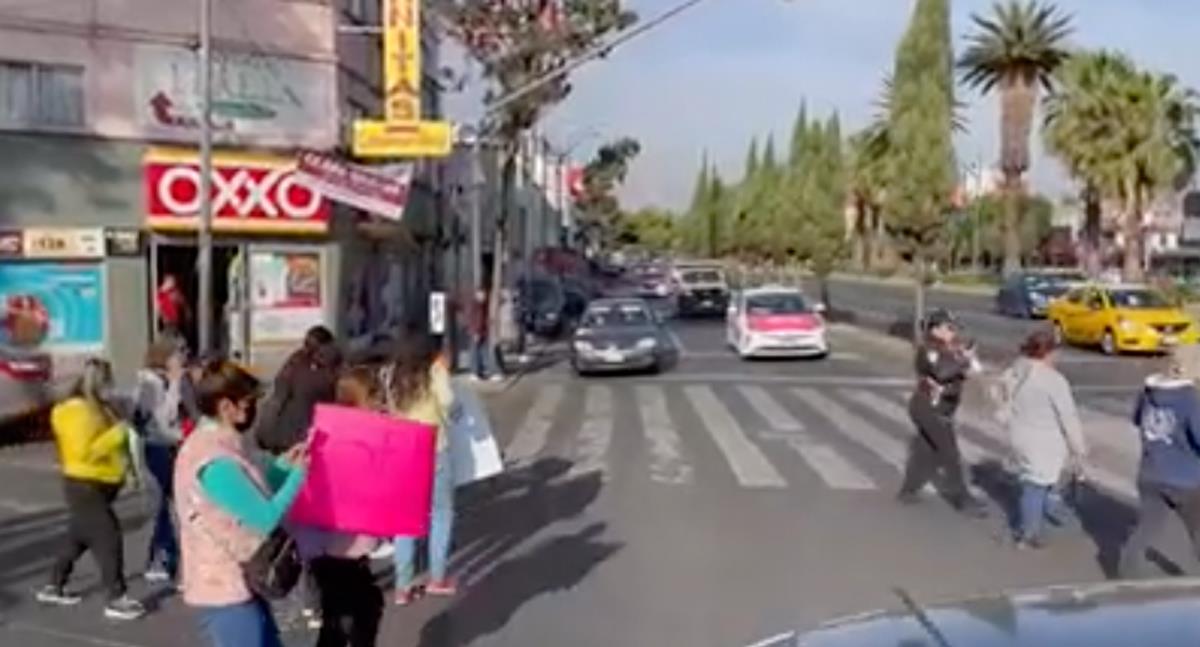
[{"x": 93, "y": 452}]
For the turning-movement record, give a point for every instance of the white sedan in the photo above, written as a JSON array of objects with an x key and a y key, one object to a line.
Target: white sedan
[{"x": 776, "y": 322}]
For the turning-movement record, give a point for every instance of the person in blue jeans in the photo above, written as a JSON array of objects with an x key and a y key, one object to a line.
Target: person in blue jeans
[
  {"x": 1167, "y": 415},
  {"x": 1045, "y": 432},
  {"x": 159, "y": 422},
  {"x": 416, "y": 387}
]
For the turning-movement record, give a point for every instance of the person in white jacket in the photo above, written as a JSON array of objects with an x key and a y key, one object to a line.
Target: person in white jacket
[
  {"x": 158, "y": 421},
  {"x": 1044, "y": 429}
]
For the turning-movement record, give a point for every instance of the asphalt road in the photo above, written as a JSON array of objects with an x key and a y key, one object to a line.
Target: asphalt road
[
  {"x": 711, "y": 506},
  {"x": 888, "y": 307}
]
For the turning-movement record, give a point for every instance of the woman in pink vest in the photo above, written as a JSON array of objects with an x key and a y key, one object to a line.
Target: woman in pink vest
[{"x": 228, "y": 505}]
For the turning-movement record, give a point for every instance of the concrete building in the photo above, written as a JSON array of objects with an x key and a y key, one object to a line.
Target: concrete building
[{"x": 99, "y": 115}]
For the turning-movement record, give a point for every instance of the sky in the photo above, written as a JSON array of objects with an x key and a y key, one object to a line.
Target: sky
[{"x": 726, "y": 71}]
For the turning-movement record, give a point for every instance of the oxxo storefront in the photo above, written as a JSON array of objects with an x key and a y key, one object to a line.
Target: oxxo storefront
[{"x": 274, "y": 257}]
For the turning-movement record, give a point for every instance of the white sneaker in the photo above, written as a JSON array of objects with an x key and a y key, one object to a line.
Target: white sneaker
[
  {"x": 157, "y": 574},
  {"x": 124, "y": 608},
  {"x": 51, "y": 594}
]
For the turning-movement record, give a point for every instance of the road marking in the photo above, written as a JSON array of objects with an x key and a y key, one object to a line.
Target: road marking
[
  {"x": 893, "y": 410},
  {"x": 667, "y": 464},
  {"x": 81, "y": 639},
  {"x": 749, "y": 465},
  {"x": 531, "y": 435},
  {"x": 842, "y": 356},
  {"x": 595, "y": 435},
  {"x": 771, "y": 411},
  {"x": 861, "y": 431},
  {"x": 837, "y": 472}
]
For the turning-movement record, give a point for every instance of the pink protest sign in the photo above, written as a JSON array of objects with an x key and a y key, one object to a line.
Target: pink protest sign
[{"x": 370, "y": 474}]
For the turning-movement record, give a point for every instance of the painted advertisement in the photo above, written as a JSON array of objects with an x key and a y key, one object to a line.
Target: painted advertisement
[
  {"x": 52, "y": 306},
  {"x": 285, "y": 293},
  {"x": 256, "y": 98}
]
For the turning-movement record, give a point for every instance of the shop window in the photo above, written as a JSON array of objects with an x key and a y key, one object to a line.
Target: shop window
[{"x": 40, "y": 94}]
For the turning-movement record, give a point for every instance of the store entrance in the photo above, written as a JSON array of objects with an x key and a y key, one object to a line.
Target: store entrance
[{"x": 178, "y": 260}]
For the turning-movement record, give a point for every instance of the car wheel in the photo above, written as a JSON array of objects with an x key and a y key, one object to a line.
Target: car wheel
[{"x": 1108, "y": 343}]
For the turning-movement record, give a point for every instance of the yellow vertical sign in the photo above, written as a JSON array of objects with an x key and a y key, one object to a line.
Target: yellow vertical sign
[{"x": 402, "y": 60}]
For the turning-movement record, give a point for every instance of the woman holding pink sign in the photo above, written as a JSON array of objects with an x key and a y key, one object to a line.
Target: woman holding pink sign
[{"x": 417, "y": 387}]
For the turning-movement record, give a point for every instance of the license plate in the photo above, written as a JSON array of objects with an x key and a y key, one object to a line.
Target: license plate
[
  {"x": 612, "y": 356},
  {"x": 1169, "y": 340},
  {"x": 707, "y": 303}
]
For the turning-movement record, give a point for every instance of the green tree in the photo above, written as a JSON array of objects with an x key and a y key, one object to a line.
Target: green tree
[
  {"x": 1015, "y": 51},
  {"x": 694, "y": 229},
  {"x": 823, "y": 177},
  {"x": 717, "y": 206},
  {"x": 1127, "y": 134},
  {"x": 920, "y": 173},
  {"x": 650, "y": 229},
  {"x": 518, "y": 46},
  {"x": 867, "y": 154},
  {"x": 747, "y": 197}
]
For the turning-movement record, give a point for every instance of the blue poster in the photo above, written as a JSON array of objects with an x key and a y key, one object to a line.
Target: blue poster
[{"x": 54, "y": 306}]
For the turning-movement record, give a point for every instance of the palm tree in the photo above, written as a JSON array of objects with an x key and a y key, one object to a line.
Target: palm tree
[
  {"x": 1015, "y": 51},
  {"x": 1126, "y": 134},
  {"x": 867, "y": 153}
]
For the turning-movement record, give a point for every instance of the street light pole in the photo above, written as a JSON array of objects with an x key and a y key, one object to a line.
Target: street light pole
[{"x": 204, "y": 230}]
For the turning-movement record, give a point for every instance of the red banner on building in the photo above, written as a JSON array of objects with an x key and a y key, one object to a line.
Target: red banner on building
[{"x": 250, "y": 193}]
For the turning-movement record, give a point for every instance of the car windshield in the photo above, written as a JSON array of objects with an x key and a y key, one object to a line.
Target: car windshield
[
  {"x": 617, "y": 316},
  {"x": 1052, "y": 280},
  {"x": 701, "y": 276},
  {"x": 776, "y": 304},
  {"x": 1138, "y": 299}
]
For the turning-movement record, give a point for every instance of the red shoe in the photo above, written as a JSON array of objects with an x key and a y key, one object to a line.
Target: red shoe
[
  {"x": 407, "y": 596},
  {"x": 444, "y": 588}
]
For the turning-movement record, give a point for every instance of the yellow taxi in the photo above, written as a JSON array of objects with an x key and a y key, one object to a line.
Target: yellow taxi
[{"x": 1120, "y": 318}]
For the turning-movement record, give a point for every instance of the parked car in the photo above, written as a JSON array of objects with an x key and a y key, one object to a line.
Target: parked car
[
  {"x": 1120, "y": 318},
  {"x": 774, "y": 321},
  {"x": 652, "y": 282},
  {"x": 621, "y": 335},
  {"x": 1028, "y": 294},
  {"x": 25, "y": 382},
  {"x": 1162, "y": 613},
  {"x": 700, "y": 288},
  {"x": 540, "y": 306}
]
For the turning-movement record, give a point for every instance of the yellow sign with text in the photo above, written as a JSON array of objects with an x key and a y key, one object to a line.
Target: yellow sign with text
[
  {"x": 402, "y": 60},
  {"x": 375, "y": 139}
]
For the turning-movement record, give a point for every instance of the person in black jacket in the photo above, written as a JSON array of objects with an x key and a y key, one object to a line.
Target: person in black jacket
[
  {"x": 943, "y": 363},
  {"x": 308, "y": 377}
]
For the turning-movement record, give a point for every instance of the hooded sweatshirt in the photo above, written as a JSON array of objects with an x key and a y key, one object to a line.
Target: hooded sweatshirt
[{"x": 1167, "y": 416}]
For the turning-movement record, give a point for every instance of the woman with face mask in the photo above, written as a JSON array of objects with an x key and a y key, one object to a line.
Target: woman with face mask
[
  {"x": 228, "y": 505},
  {"x": 93, "y": 452}
]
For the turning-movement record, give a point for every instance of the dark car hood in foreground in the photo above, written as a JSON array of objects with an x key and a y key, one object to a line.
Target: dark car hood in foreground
[{"x": 1131, "y": 614}]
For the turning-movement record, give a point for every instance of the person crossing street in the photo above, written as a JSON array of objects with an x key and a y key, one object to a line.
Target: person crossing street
[{"x": 943, "y": 363}]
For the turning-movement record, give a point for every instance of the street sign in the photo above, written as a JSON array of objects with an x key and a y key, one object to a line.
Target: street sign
[
  {"x": 402, "y": 60},
  {"x": 437, "y": 313},
  {"x": 383, "y": 139}
]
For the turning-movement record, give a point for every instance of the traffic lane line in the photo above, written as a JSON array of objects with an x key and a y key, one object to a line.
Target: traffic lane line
[{"x": 750, "y": 466}]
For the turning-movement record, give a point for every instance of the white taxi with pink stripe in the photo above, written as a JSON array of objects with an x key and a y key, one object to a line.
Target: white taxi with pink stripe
[{"x": 776, "y": 321}]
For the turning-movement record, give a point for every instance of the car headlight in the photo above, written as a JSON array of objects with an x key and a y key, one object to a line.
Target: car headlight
[
  {"x": 1037, "y": 297},
  {"x": 647, "y": 343},
  {"x": 1127, "y": 325},
  {"x": 661, "y": 290},
  {"x": 583, "y": 346}
]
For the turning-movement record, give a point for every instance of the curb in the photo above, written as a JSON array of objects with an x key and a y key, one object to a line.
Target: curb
[{"x": 970, "y": 290}]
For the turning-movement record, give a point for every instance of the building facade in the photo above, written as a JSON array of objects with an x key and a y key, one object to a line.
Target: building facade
[{"x": 99, "y": 118}]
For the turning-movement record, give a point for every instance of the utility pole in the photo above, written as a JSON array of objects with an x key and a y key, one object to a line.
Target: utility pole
[{"x": 204, "y": 250}]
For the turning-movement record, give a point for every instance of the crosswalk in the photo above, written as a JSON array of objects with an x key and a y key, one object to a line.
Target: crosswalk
[{"x": 771, "y": 436}]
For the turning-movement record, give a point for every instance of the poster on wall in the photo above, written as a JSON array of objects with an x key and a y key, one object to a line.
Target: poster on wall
[
  {"x": 53, "y": 306},
  {"x": 285, "y": 292}
]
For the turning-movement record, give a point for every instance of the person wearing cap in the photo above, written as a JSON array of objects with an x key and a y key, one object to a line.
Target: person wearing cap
[
  {"x": 1167, "y": 415},
  {"x": 1045, "y": 432},
  {"x": 943, "y": 363}
]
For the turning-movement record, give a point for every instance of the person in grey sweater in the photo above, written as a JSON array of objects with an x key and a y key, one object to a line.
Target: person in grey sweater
[
  {"x": 158, "y": 420},
  {"x": 1044, "y": 429}
]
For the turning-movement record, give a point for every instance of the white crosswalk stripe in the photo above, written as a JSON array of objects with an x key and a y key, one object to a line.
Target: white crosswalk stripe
[
  {"x": 837, "y": 472},
  {"x": 750, "y": 466},
  {"x": 595, "y": 435},
  {"x": 667, "y": 464},
  {"x": 532, "y": 434},
  {"x": 766, "y": 406},
  {"x": 884, "y": 445},
  {"x": 894, "y": 411}
]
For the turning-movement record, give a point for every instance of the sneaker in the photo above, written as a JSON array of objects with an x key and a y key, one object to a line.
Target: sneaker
[
  {"x": 157, "y": 574},
  {"x": 1029, "y": 543},
  {"x": 407, "y": 596},
  {"x": 51, "y": 594},
  {"x": 312, "y": 618},
  {"x": 444, "y": 588},
  {"x": 124, "y": 608},
  {"x": 496, "y": 378},
  {"x": 385, "y": 551}
]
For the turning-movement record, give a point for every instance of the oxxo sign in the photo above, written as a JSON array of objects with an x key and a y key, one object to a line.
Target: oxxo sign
[{"x": 250, "y": 193}]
